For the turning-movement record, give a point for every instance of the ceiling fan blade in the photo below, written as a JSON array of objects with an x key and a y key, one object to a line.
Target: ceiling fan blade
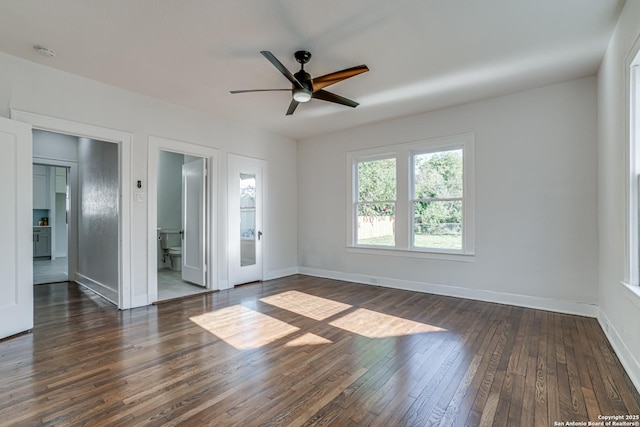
[
  {"x": 332, "y": 97},
  {"x": 329, "y": 79},
  {"x": 292, "y": 107},
  {"x": 259, "y": 90},
  {"x": 271, "y": 58}
]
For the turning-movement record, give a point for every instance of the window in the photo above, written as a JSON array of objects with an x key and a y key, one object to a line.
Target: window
[
  {"x": 632, "y": 244},
  {"x": 437, "y": 200},
  {"x": 376, "y": 202},
  {"x": 414, "y": 198}
]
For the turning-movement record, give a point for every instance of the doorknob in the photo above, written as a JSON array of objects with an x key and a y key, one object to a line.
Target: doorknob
[{"x": 259, "y": 235}]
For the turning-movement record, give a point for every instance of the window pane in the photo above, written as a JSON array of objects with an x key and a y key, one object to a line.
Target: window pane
[
  {"x": 376, "y": 224},
  {"x": 377, "y": 180},
  {"x": 438, "y": 175},
  {"x": 247, "y": 219},
  {"x": 438, "y": 225}
]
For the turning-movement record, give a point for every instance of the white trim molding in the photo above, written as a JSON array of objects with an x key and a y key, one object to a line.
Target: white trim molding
[
  {"x": 540, "y": 303},
  {"x": 277, "y": 274},
  {"x": 125, "y": 143},
  {"x": 628, "y": 360},
  {"x": 632, "y": 166},
  {"x": 101, "y": 289}
]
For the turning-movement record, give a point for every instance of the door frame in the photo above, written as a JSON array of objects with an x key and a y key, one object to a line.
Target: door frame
[
  {"x": 157, "y": 144},
  {"x": 124, "y": 141},
  {"x": 234, "y": 161}
]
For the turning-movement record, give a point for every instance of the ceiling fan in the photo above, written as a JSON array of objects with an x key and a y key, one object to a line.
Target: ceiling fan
[{"x": 304, "y": 87}]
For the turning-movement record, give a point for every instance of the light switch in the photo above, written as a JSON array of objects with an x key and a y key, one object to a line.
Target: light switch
[{"x": 138, "y": 196}]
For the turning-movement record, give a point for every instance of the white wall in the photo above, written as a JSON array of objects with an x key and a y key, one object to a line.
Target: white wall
[
  {"x": 536, "y": 238},
  {"x": 170, "y": 189},
  {"x": 619, "y": 308},
  {"x": 31, "y": 87},
  {"x": 98, "y": 217},
  {"x": 62, "y": 243}
]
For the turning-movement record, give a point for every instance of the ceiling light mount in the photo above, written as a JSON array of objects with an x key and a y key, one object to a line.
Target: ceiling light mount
[
  {"x": 302, "y": 56},
  {"x": 45, "y": 51}
]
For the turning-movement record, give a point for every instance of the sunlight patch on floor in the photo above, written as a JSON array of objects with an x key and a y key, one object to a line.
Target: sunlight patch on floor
[
  {"x": 245, "y": 328},
  {"x": 308, "y": 339},
  {"x": 311, "y": 306},
  {"x": 242, "y": 327},
  {"x": 373, "y": 324}
]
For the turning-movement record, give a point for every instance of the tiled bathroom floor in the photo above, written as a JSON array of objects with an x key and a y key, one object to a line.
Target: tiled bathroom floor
[{"x": 171, "y": 285}]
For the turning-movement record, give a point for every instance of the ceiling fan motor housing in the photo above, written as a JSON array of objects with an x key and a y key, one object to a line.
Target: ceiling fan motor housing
[
  {"x": 304, "y": 78},
  {"x": 303, "y": 94}
]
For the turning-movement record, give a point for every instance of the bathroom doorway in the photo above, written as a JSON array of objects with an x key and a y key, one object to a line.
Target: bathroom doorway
[
  {"x": 162, "y": 215},
  {"x": 181, "y": 224}
]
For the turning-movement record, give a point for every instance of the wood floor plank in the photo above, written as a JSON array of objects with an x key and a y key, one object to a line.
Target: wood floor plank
[
  {"x": 327, "y": 353},
  {"x": 487, "y": 370},
  {"x": 553, "y": 405},
  {"x": 541, "y": 408},
  {"x": 527, "y": 414}
]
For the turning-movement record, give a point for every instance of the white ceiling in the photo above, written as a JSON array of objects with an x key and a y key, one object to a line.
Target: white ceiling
[{"x": 423, "y": 54}]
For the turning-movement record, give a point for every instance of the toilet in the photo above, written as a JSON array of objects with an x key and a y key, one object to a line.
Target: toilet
[{"x": 171, "y": 244}]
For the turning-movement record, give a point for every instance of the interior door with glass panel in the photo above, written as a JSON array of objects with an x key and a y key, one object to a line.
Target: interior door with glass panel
[{"x": 245, "y": 219}]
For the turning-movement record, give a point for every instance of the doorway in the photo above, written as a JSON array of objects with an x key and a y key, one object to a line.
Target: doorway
[
  {"x": 99, "y": 143},
  {"x": 246, "y": 233},
  {"x": 51, "y": 204},
  {"x": 182, "y": 211},
  {"x": 95, "y": 216}
]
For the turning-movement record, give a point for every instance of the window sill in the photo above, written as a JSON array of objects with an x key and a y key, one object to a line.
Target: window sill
[
  {"x": 405, "y": 253},
  {"x": 633, "y": 294}
]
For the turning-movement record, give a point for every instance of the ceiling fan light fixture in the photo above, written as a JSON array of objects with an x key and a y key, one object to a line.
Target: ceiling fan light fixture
[{"x": 302, "y": 95}]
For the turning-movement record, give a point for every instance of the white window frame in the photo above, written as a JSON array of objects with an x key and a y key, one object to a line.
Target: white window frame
[
  {"x": 631, "y": 278},
  {"x": 404, "y": 153}
]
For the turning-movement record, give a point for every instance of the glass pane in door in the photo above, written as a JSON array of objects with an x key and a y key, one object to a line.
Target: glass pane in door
[{"x": 247, "y": 219}]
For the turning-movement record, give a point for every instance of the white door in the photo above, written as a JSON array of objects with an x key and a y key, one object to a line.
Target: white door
[
  {"x": 16, "y": 269},
  {"x": 194, "y": 175},
  {"x": 246, "y": 189}
]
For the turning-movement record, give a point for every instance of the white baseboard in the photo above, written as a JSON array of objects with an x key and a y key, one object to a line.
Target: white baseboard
[
  {"x": 103, "y": 290},
  {"x": 630, "y": 363},
  {"x": 276, "y": 274},
  {"x": 548, "y": 304}
]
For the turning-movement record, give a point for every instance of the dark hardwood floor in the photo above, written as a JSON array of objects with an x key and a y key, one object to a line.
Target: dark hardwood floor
[{"x": 307, "y": 351}]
